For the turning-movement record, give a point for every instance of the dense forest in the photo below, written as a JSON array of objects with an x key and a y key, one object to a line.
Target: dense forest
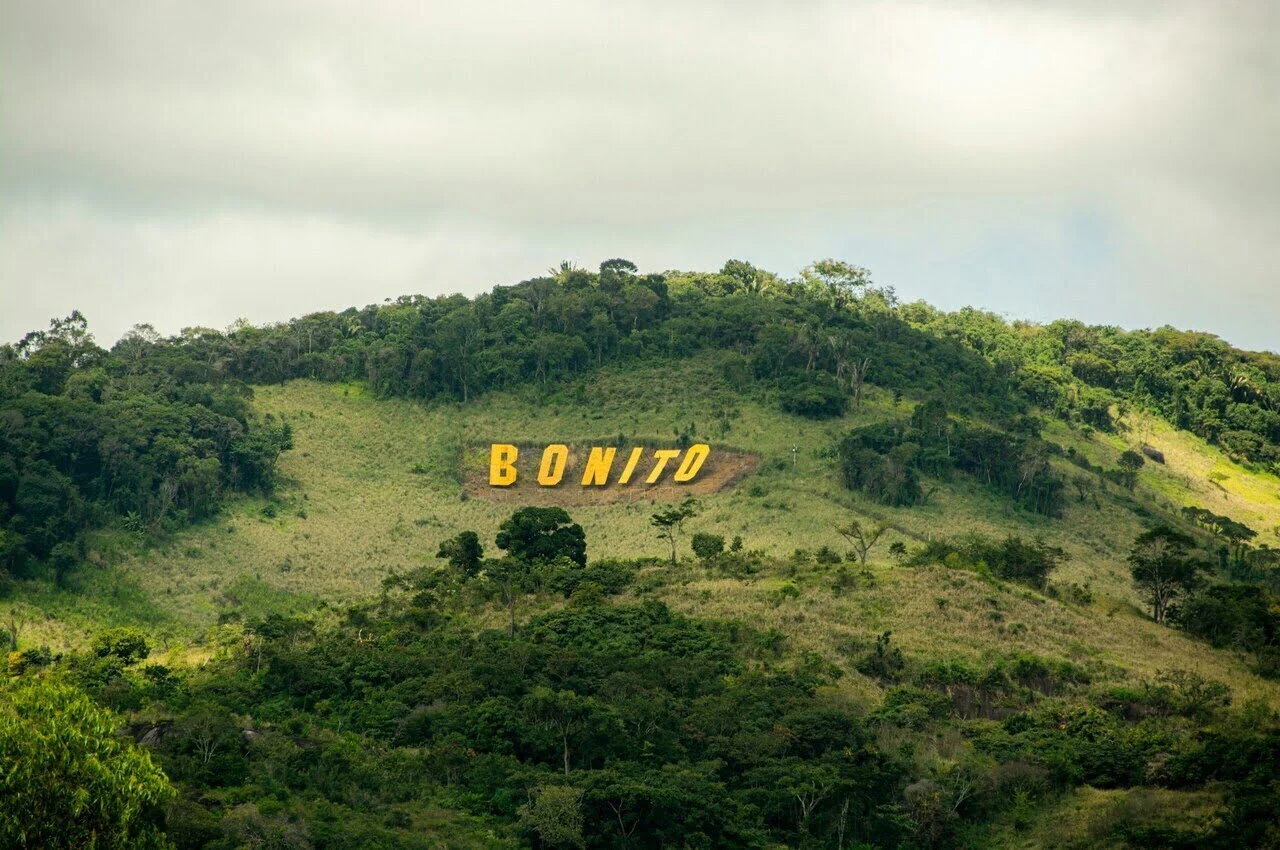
[
  {"x": 514, "y": 692},
  {"x": 598, "y": 724}
]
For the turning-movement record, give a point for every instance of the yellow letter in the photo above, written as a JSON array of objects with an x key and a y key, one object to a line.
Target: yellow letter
[
  {"x": 693, "y": 460},
  {"x": 661, "y": 457},
  {"x": 596, "y": 472},
  {"x": 502, "y": 465},
  {"x": 631, "y": 465},
  {"x": 554, "y": 460}
]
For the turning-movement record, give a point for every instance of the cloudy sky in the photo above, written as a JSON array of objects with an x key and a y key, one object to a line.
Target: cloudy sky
[{"x": 191, "y": 163}]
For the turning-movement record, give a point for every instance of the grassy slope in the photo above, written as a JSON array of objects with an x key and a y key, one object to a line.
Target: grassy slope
[{"x": 372, "y": 486}]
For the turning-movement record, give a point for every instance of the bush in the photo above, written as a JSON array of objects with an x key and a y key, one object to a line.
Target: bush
[
  {"x": 128, "y": 644},
  {"x": 707, "y": 546},
  {"x": 885, "y": 459},
  {"x": 69, "y": 779},
  {"x": 611, "y": 576},
  {"x": 1011, "y": 559},
  {"x": 814, "y": 395}
]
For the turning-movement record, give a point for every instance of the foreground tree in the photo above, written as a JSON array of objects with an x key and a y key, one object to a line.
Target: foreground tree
[
  {"x": 707, "y": 547},
  {"x": 68, "y": 780},
  {"x": 1163, "y": 567}
]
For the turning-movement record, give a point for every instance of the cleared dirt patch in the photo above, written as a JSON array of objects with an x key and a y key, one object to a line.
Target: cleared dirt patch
[{"x": 723, "y": 469}]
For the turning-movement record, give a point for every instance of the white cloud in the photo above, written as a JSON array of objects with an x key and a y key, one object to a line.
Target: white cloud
[{"x": 205, "y": 160}]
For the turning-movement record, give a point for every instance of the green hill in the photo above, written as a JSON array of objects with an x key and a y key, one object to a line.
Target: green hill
[{"x": 283, "y": 581}]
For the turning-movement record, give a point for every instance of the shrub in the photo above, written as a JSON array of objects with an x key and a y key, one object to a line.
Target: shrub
[
  {"x": 814, "y": 395},
  {"x": 707, "y": 546},
  {"x": 128, "y": 644}
]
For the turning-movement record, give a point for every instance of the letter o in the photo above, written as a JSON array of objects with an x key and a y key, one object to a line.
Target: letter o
[
  {"x": 554, "y": 460},
  {"x": 692, "y": 463}
]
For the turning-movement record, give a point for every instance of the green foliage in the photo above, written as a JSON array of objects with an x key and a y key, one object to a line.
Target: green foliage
[
  {"x": 1130, "y": 462},
  {"x": 707, "y": 546},
  {"x": 1163, "y": 567},
  {"x": 611, "y": 577},
  {"x": 1012, "y": 559},
  {"x": 540, "y": 535},
  {"x": 814, "y": 395},
  {"x": 404, "y": 722},
  {"x": 885, "y": 460},
  {"x": 1245, "y": 617},
  {"x": 464, "y": 554},
  {"x": 670, "y": 522},
  {"x": 150, "y": 433},
  {"x": 68, "y": 779},
  {"x": 128, "y": 644},
  {"x": 554, "y": 813}
]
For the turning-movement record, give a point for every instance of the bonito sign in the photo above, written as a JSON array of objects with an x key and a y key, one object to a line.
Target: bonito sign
[{"x": 678, "y": 466}]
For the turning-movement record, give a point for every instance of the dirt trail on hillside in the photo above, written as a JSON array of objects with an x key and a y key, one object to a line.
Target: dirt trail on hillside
[{"x": 723, "y": 469}]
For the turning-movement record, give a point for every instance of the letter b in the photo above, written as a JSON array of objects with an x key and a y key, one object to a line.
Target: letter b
[{"x": 502, "y": 465}]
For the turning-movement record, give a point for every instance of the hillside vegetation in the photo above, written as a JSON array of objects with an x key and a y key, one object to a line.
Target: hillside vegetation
[{"x": 310, "y": 666}]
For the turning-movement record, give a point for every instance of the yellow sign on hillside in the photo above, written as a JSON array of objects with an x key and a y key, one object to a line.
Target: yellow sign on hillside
[{"x": 596, "y": 471}]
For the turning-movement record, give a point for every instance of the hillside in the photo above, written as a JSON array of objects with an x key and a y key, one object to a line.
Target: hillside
[
  {"x": 372, "y": 487},
  {"x": 234, "y": 546}
]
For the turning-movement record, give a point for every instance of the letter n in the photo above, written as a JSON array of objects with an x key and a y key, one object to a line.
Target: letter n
[{"x": 596, "y": 472}]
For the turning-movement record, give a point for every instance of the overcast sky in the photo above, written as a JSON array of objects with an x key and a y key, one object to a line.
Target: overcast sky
[{"x": 191, "y": 163}]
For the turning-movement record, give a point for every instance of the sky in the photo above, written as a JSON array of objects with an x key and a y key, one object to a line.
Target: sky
[{"x": 188, "y": 164}]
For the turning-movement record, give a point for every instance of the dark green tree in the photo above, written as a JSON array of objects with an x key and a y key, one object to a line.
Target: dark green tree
[
  {"x": 129, "y": 644},
  {"x": 707, "y": 546},
  {"x": 1163, "y": 567},
  {"x": 511, "y": 578},
  {"x": 540, "y": 535},
  {"x": 1130, "y": 462},
  {"x": 464, "y": 553}
]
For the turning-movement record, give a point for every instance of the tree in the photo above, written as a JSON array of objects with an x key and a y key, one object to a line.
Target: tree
[
  {"x": 464, "y": 553},
  {"x": 565, "y": 713},
  {"x": 1163, "y": 567},
  {"x": 458, "y": 337},
  {"x": 554, "y": 812},
  {"x": 863, "y": 539},
  {"x": 670, "y": 523},
  {"x": 68, "y": 780},
  {"x": 707, "y": 546},
  {"x": 540, "y": 535},
  {"x": 857, "y": 379},
  {"x": 808, "y": 784},
  {"x": 127, "y": 643},
  {"x": 1130, "y": 462},
  {"x": 511, "y": 578},
  {"x": 836, "y": 281},
  {"x": 618, "y": 266},
  {"x": 1237, "y": 535}
]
